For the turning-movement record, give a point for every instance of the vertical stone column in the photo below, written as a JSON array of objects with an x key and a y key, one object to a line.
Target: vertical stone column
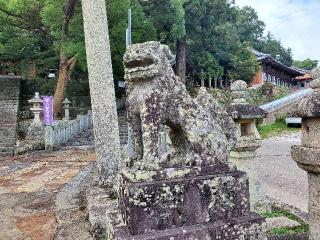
[
  {"x": 66, "y": 106},
  {"x": 248, "y": 139},
  {"x": 202, "y": 78},
  {"x": 49, "y": 138},
  {"x": 102, "y": 91},
  {"x": 307, "y": 155}
]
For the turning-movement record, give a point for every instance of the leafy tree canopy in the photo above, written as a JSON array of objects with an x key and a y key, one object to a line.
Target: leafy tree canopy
[{"x": 307, "y": 64}]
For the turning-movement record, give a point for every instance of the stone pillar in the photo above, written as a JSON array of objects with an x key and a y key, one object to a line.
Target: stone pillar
[
  {"x": 102, "y": 91},
  {"x": 307, "y": 155},
  {"x": 202, "y": 78},
  {"x": 66, "y": 106},
  {"x": 248, "y": 138},
  {"x": 210, "y": 82},
  {"x": 49, "y": 140}
]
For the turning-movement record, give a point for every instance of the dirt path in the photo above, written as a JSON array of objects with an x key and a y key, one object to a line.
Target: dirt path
[
  {"x": 279, "y": 175},
  {"x": 29, "y": 185}
]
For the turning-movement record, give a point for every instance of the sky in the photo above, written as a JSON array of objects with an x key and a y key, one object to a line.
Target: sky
[{"x": 295, "y": 22}]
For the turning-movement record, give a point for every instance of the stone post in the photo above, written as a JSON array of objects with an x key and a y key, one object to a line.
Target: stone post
[
  {"x": 202, "y": 78},
  {"x": 248, "y": 137},
  {"x": 105, "y": 119},
  {"x": 49, "y": 141},
  {"x": 210, "y": 82},
  {"x": 66, "y": 106},
  {"x": 307, "y": 155}
]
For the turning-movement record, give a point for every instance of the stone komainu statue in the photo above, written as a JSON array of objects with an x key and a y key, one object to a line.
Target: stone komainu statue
[{"x": 201, "y": 133}]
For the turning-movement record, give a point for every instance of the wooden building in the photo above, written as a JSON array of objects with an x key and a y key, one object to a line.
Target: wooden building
[
  {"x": 304, "y": 81},
  {"x": 271, "y": 70}
]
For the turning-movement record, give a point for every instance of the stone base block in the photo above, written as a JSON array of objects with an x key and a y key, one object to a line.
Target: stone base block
[
  {"x": 172, "y": 203},
  {"x": 250, "y": 227},
  {"x": 243, "y": 154}
]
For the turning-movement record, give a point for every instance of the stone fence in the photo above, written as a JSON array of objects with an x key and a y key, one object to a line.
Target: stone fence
[{"x": 63, "y": 131}]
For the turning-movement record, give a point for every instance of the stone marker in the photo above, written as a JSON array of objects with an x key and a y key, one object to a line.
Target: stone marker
[
  {"x": 248, "y": 138},
  {"x": 66, "y": 106},
  {"x": 190, "y": 193},
  {"x": 102, "y": 91},
  {"x": 307, "y": 155}
]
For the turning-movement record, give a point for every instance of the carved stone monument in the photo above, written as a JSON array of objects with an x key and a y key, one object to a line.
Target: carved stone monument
[
  {"x": 190, "y": 192},
  {"x": 307, "y": 155}
]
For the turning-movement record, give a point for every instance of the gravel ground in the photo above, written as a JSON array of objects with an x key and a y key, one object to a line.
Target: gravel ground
[
  {"x": 279, "y": 175},
  {"x": 29, "y": 186}
]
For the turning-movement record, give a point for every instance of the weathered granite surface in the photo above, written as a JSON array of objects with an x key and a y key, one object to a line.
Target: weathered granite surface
[
  {"x": 191, "y": 193},
  {"x": 156, "y": 97},
  {"x": 9, "y": 105},
  {"x": 248, "y": 138},
  {"x": 307, "y": 155},
  {"x": 315, "y": 73},
  {"x": 102, "y": 92}
]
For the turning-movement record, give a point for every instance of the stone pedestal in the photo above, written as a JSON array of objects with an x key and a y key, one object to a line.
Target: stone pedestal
[
  {"x": 211, "y": 203},
  {"x": 307, "y": 155}
]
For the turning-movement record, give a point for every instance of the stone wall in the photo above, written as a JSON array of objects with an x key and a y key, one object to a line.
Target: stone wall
[
  {"x": 9, "y": 104},
  {"x": 278, "y": 113}
]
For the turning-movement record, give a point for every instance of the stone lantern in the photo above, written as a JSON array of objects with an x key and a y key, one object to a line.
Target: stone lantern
[
  {"x": 307, "y": 155},
  {"x": 35, "y": 130},
  {"x": 66, "y": 106},
  {"x": 248, "y": 139},
  {"x": 36, "y": 108},
  {"x": 245, "y": 116}
]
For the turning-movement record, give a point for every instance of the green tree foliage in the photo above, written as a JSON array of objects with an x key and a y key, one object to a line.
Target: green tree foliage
[
  {"x": 142, "y": 30},
  {"x": 307, "y": 64},
  {"x": 212, "y": 35},
  {"x": 249, "y": 27},
  {"x": 168, "y": 18},
  {"x": 23, "y": 37},
  {"x": 251, "y": 30},
  {"x": 269, "y": 44}
]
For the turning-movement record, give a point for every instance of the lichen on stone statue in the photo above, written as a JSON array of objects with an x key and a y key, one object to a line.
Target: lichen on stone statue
[{"x": 156, "y": 97}]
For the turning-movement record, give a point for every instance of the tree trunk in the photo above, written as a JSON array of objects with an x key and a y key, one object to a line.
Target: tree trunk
[
  {"x": 215, "y": 82},
  {"x": 181, "y": 66},
  {"x": 65, "y": 69}
]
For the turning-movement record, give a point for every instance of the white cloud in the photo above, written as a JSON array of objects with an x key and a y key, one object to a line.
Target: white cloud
[{"x": 295, "y": 22}]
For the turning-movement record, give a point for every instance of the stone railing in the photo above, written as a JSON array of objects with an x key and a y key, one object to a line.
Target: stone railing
[{"x": 63, "y": 131}]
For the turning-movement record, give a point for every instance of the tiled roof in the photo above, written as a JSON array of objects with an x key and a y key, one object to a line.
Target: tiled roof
[{"x": 267, "y": 57}]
